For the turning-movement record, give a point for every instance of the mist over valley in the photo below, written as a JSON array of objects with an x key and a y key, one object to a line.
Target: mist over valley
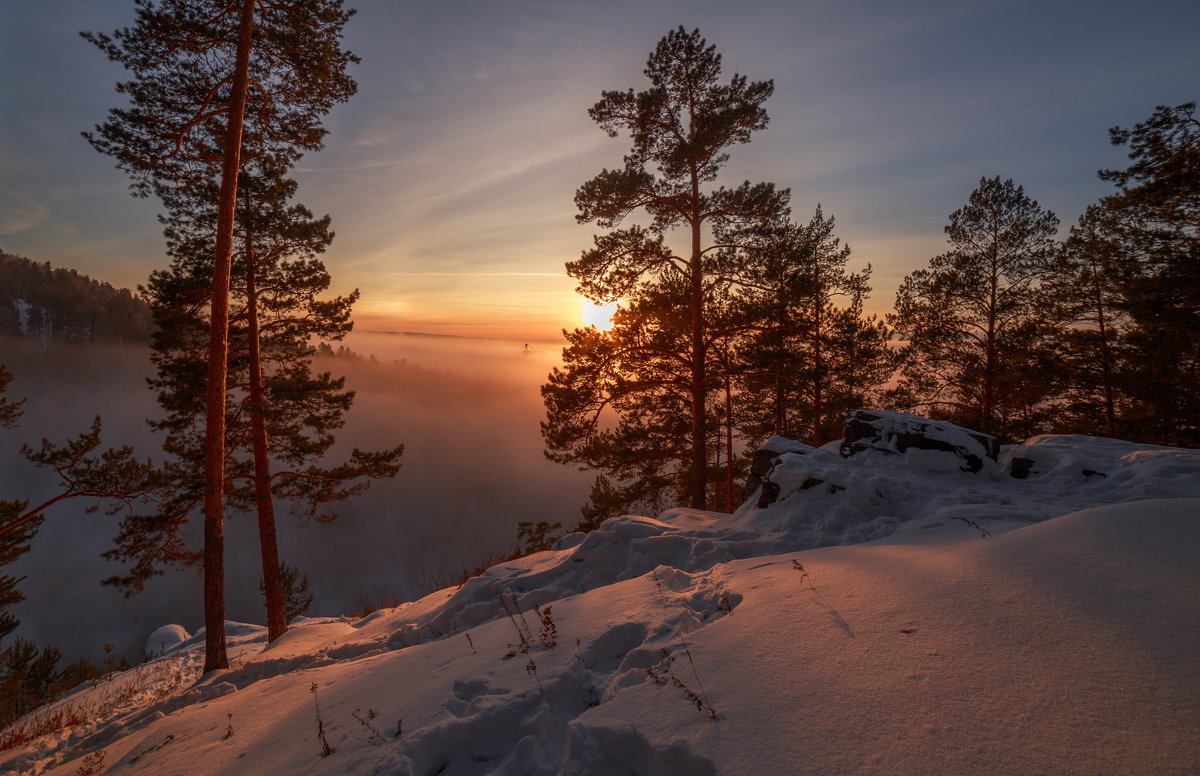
[{"x": 467, "y": 411}]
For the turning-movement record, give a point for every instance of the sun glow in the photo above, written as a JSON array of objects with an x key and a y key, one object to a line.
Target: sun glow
[{"x": 598, "y": 315}]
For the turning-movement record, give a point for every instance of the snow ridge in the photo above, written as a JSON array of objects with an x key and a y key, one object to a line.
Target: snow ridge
[{"x": 913, "y": 631}]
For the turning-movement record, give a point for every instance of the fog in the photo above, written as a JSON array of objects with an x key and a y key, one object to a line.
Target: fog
[{"x": 466, "y": 410}]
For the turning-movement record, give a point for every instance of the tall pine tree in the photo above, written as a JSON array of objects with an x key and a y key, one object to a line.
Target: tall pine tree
[
  {"x": 810, "y": 354},
  {"x": 1156, "y": 215},
  {"x": 655, "y": 369},
  {"x": 1087, "y": 293},
  {"x": 976, "y": 319},
  {"x": 280, "y": 416},
  {"x": 196, "y": 64}
]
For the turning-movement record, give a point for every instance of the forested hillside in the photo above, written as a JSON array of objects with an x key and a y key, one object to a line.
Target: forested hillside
[{"x": 52, "y": 305}]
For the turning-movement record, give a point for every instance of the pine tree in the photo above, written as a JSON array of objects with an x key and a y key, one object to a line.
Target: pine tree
[
  {"x": 279, "y": 412},
  {"x": 1087, "y": 292},
  {"x": 196, "y": 65},
  {"x": 14, "y": 536},
  {"x": 654, "y": 367},
  {"x": 977, "y": 316},
  {"x": 1156, "y": 216},
  {"x": 296, "y": 598},
  {"x": 113, "y": 477},
  {"x": 812, "y": 354}
]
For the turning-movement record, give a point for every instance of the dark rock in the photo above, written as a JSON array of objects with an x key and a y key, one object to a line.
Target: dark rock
[
  {"x": 760, "y": 464},
  {"x": 895, "y": 432},
  {"x": 1020, "y": 467},
  {"x": 768, "y": 494}
]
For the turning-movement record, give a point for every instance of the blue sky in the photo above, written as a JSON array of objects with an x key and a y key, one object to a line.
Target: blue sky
[{"x": 450, "y": 175}]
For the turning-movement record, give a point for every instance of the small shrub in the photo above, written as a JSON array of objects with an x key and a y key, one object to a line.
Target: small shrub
[
  {"x": 296, "y": 598},
  {"x": 93, "y": 764},
  {"x": 524, "y": 634},
  {"x": 548, "y": 633},
  {"x": 538, "y": 536}
]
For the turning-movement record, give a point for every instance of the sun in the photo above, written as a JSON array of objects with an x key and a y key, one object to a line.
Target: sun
[{"x": 598, "y": 315}]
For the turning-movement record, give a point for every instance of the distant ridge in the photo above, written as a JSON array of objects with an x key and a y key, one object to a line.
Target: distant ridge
[{"x": 51, "y": 305}]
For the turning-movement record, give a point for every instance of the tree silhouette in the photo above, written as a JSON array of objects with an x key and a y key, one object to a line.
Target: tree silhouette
[
  {"x": 655, "y": 368},
  {"x": 976, "y": 316},
  {"x": 196, "y": 64}
]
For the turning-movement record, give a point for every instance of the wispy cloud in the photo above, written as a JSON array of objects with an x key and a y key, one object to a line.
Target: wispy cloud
[{"x": 19, "y": 212}]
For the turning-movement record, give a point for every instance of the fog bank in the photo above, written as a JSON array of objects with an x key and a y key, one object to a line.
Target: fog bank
[{"x": 466, "y": 410}]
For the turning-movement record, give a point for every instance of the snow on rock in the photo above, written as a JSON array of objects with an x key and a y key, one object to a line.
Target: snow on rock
[
  {"x": 898, "y": 432},
  {"x": 165, "y": 639},
  {"x": 1063, "y": 644}
]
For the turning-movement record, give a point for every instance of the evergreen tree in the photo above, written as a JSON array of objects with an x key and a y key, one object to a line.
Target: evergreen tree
[
  {"x": 112, "y": 476},
  {"x": 1156, "y": 216},
  {"x": 976, "y": 319},
  {"x": 196, "y": 64},
  {"x": 655, "y": 369},
  {"x": 278, "y": 410},
  {"x": 1087, "y": 291},
  {"x": 812, "y": 354},
  {"x": 296, "y": 598}
]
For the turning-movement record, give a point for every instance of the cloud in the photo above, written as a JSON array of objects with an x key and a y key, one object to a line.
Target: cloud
[{"x": 19, "y": 212}]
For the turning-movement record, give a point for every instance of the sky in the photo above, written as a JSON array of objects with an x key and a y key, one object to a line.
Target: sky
[{"x": 450, "y": 176}]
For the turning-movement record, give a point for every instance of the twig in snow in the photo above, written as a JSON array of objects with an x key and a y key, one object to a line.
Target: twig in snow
[
  {"x": 701, "y": 700},
  {"x": 531, "y": 668},
  {"x": 983, "y": 531},
  {"x": 372, "y": 732},
  {"x": 325, "y": 750},
  {"x": 595, "y": 701},
  {"x": 798, "y": 566}
]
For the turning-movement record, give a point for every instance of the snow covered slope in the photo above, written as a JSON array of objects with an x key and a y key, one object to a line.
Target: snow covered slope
[{"x": 860, "y": 625}]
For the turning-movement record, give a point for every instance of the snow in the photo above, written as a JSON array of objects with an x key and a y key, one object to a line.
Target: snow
[
  {"x": 860, "y": 625},
  {"x": 166, "y": 639}
]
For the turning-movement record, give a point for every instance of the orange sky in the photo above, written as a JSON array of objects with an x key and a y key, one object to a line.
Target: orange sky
[{"x": 450, "y": 176}]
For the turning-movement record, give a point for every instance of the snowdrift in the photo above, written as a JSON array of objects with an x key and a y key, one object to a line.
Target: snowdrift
[{"x": 888, "y": 613}]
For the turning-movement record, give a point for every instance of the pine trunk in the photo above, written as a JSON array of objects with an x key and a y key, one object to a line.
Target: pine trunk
[
  {"x": 215, "y": 656},
  {"x": 699, "y": 470},
  {"x": 730, "y": 497},
  {"x": 1106, "y": 367},
  {"x": 263, "y": 501}
]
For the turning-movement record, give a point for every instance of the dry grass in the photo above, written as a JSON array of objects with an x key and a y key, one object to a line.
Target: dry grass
[{"x": 150, "y": 681}]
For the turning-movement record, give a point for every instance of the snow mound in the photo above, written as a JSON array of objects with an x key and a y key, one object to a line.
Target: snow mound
[
  {"x": 890, "y": 613},
  {"x": 165, "y": 639}
]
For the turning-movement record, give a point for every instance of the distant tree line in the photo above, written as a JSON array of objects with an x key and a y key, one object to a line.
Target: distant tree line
[
  {"x": 54, "y": 305},
  {"x": 754, "y": 325}
]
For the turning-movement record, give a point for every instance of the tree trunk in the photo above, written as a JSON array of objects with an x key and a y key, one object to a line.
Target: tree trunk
[
  {"x": 263, "y": 501},
  {"x": 698, "y": 479},
  {"x": 730, "y": 502},
  {"x": 990, "y": 352},
  {"x": 1110, "y": 412},
  {"x": 818, "y": 395},
  {"x": 215, "y": 656}
]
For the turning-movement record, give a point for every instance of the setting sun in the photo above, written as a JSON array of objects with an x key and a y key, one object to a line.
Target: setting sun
[{"x": 598, "y": 315}]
